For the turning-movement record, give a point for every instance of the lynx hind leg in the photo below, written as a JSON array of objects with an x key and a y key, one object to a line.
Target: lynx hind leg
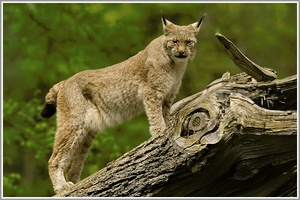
[
  {"x": 80, "y": 152},
  {"x": 69, "y": 153},
  {"x": 60, "y": 159}
]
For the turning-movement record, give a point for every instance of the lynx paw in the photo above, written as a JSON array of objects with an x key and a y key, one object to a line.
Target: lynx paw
[
  {"x": 157, "y": 130},
  {"x": 64, "y": 186}
]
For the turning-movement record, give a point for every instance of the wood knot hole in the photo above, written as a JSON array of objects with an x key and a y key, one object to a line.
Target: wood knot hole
[{"x": 194, "y": 122}]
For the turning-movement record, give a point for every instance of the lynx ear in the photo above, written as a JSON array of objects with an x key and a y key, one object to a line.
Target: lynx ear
[
  {"x": 166, "y": 25},
  {"x": 197, "y": 25}
]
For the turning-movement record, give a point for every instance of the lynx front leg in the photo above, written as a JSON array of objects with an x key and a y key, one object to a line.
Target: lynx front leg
[
  {"x": 153, "y": 106},
  {"x": 167, "y": 104},
  {"x": 166, "y": 107}
]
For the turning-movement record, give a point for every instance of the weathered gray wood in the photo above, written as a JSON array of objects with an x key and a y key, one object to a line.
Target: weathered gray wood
[
  {"x": 238, "y": 137},
  {"x": 219, "y": 143},
  {"x": 257, "y": 72}
]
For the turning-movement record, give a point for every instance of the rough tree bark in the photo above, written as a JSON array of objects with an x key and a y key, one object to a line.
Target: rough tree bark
[{"x": 238, "y": 137}]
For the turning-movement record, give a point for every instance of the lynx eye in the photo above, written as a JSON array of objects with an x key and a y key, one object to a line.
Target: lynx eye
[
  {"x": 175, "y": 41},
  {"x": 188, "y": 42}
]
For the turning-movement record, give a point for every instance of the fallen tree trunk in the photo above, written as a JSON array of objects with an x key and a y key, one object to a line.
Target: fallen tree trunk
[{"x": 238, "y": 137}]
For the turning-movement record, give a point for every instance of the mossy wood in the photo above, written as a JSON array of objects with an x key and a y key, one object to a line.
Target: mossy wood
[{"x": 238, "y": 137}]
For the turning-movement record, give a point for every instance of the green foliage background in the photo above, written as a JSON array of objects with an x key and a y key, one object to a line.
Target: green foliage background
[{"x": 48, "y": 42}]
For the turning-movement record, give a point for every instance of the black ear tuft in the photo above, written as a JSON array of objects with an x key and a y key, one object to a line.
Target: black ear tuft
[
  {"x": 200, "y": 21},
  {"x": 48, "y": 111},
  {"x": 163, "y": 19}
]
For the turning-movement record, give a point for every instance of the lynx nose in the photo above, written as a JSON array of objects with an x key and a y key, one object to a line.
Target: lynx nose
[{"x": 181, "y": 52}]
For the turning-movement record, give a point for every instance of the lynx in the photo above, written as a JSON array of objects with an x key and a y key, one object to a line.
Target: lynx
[{"x": 93, "y": 100}]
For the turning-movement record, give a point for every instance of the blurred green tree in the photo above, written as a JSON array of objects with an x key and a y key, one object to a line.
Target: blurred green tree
[{"x": 44, "y": 43}]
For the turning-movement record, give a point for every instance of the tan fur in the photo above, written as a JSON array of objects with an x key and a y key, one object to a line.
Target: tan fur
[{"x": 93, "y": 100}]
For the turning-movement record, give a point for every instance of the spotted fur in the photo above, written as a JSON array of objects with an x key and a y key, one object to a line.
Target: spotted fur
[{"x": 93, "y": 100}]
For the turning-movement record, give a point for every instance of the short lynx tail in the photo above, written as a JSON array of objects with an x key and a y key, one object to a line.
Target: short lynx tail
[
  {"x": 48, "y": 111},
  {"x": 50, "y": 107}
]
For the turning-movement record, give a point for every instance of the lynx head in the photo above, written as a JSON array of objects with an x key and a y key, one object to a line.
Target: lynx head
[{"x": 180, "y": 41}]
